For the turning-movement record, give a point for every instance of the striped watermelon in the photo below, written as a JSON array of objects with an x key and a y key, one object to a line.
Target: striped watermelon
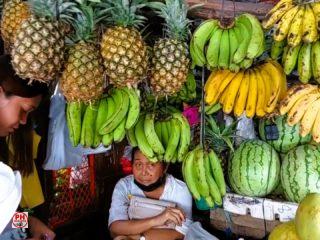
[
  {"x": 288, "y": 136},
  {"x": 300, "y": 172},
  {"x": 254, "y": 169}
]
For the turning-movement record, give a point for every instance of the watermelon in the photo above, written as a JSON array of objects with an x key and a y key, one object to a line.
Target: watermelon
[
  {"x": 254, "y": 169},
  {"x": 308, "y": 218},
  {"x": 284, "y": 231},
  {"x": 288, "y": 137},
  {"x": 300, "y": 172}
]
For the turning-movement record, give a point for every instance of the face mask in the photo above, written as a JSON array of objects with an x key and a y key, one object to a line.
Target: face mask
[{"x": 152, "y": 186}]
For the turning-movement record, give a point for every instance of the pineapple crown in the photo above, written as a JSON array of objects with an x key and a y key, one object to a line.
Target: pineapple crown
[
  {"x": 53, "y": 10},
  {"x": 125, "y": 13},
  {"x": 174, "y": 13}
]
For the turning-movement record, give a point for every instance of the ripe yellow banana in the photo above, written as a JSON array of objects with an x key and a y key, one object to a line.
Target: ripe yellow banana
[
  {"x": 283, "y": 80},
  {"x": 316, "y": 11},
  {"x": 295, "y": 32},
  {"x": 267, "y": 83},
  {"x": 212, "y": 85},
  {"x": 309, "y": 30},
  {"x": 279, "y": 5},
  {"x": 234, "y": 88},
  {"x": 261, "y": 104},
  {"x": 274, "y": 16},
  {"x": 316, "y": 128},
  {"x": 282, "y": 28},
  {"x": 224, "y": 84},
  {"x": 252, "y": 97},
  {"x": 224, "y": 96},
  {"x": 242, "y": 95},
  {"x": 309, "y": 118},
  {"x": 293, "y": 95},
  {"x": 299, "y": 108}
]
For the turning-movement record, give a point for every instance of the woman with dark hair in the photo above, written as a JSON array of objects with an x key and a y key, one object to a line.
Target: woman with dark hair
[
  {"x": 17, "y": 99},
  {"x": 149, "y": 180}
]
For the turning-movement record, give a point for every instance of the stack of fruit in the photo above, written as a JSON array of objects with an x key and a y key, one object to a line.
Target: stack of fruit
[
  {"x": 203, "y": 175},
  {"x": 106, "y": 121},
  {"x": 166, "y": 140},
  {"x": 255, "y": 91},
  {"x": 232, "y": 47},
  {"x": 302, "y": 105}
]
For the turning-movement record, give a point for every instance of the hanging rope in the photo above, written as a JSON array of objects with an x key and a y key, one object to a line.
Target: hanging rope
[{"x": 202, "y": 117}]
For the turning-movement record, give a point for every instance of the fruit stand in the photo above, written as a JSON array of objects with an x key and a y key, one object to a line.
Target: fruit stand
[{"x": 227, "y": 92}]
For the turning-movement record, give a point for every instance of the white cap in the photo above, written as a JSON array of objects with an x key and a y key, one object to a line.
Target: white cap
[{"x": 10, "y": 194}]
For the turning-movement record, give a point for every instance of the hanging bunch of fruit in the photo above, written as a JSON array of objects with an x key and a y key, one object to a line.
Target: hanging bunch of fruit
[
  {"x": 233, "y": 47},
  {"x": 294, "y": 20},
  {"x": 105, "y": 121},
  {"x": 170, "y": 61},
  {"x": 302, "y": 105},
  {"x": 304, "y": 57},
  {"x": 204, "y": 177},
  {"x": 255, "y": 91},
  {"x": 164, "y": 140}
]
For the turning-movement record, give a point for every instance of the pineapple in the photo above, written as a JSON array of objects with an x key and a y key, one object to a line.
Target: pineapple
[
  {"x": 14, "y": 12},
  {"x": 122, "y": 47},
  {"x": 38, "y": 49},
  {"x": 83, "y": 77},
  {"x": 170, "y": 62}
]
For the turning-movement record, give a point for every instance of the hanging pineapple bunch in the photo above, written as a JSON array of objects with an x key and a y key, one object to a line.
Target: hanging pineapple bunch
[
  {"x": 14, "y": 12},
  {"x": 170, "y": 60},
  {"x": 83, "y": 76},
  {"x": 122, "y": 47},
  {"x": 38, "y": 49}
]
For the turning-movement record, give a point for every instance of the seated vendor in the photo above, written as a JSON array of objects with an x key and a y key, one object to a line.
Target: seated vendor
[{"x": 149, "y": 180}]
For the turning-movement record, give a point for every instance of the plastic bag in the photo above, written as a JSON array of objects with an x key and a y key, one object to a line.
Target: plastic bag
[
  {"x": 196, "y": 232},
  {"x": 60, "y": 152}
]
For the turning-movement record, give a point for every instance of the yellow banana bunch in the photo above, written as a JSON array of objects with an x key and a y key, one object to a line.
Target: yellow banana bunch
[
  {"x": 302, "y": 106},
  {"x": 255, "y": 91},
  {"x": 227, "y": 47},
  {"x": 294, "y": 21}
]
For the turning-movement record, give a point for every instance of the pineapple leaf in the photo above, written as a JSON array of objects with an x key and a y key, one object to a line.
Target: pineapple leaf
[{"x": 228, "y": 142}]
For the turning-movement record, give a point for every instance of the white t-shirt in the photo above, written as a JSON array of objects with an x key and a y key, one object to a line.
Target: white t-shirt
[{"x": 174, "y": 191}]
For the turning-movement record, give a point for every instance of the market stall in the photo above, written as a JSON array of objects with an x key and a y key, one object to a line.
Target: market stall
[{"x": 223, "y": 93}]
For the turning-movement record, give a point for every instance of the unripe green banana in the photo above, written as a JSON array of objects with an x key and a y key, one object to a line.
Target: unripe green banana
[
  {"x": 185, "y": 136},
  {"x": 157, "y": 128},
  {"x": 217, "y": 172},
  {"x": 200, "y": 173},
  {"x": 101, "y": 117},
  {"x": 233, "y": 43},
  {"x": 197, "y": 57},
  {"x": 143, "y": 144},
  {"x": 224, "y": 50},
  {"x": 173, "y": 140},
  {"x": 304, "y": 63},
  {"x": 120, "y": 132},
  {"x": 209, "y": 201},
  {"x": 245, "y": 30},
  {"x": 151, "y": 134},
  {"x": 122, "y": 105},
  {"x": 277, "y": 49},
  {"x": 107, "y": 139},
  {"x": 213, "y": 187},
  {"x": 315, "y": 60},
  {"x": 134, "y": 108},
  {"x": 131, "y": 137},
  {"x": 88, "y": 125},
  {"x": 246, "y": 63},
  {"x": 189, "y": 176},
  {"x": 290, "y": 59},
  {"x": 165, "y": 133},
  {"x": 212, "y": 54},
  {"x": 74, "y": 121}
]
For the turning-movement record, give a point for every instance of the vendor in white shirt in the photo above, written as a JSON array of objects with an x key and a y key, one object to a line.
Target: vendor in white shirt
[{"x": 149, "y": 180}]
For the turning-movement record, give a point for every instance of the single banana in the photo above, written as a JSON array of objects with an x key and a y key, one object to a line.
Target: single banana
[
  {"x": 290, "y": 59},
  {"x": 315, "y": 60},
  {"x": 131, "y": 137},
  {"x": 107, "y": 139},
  {"x": 299, "y": 108},
  {"x": 157, "y": 128},
  {"x": 245, "y": 28},
  {"x": 283, "y": 80},
  {"x": 224, "y": 96},
  {"x": 242, "y": 95},
  {"x": 213, "y": 187},
  {"x": 196, "y": 55},
  {"x": 212, "y": 85},
  {"x": 119, "y": 132},
  {"x": 293, "y": 95},
  {"x": 200, "y": 173},
  {"x": 224, "y": 50},
  {"x": 225, "y": 82},
  {"x": 274, "y": 16},
  {"x": 173, "y": 140},
  {"x": 142, "y": 140},
  {"x": 295, "y": 31},
  {"x": 267, "y": 83},
  {"x": 280, "y": 4},
  {"x": 234, "y": 88},
  {"x": 151, "y": 134},
  {"x": 134, "y": 108},
  {"x": 122, "y": 106},
  {"x": 88, "y": 125},
  {"x": 309, "y": 29},
  {"x": 212, "y": 108},
  {"x": 185, "y": 136},
  {"x": 252, "y": 96},
  {"x": 316, "y": 128},
  {"x": 189, "y": 176},
  {"x": 261, "y": 104},
  {"x": 277, "y": 49},
  {"x": 233, "y": 43},
  {"x": 316, "y": 11},
  {"x": 282, "y": 28},
  {"x": 74, "y": 121},
  {"x": 217, "y": 172},
  {"x": 210, "y": 202},
  {"x": 102, "y": 115},
  {"x": 304, "y": 63},
  {"x": 309, "y": 117},
  {"x": 246, "y": 63},
  {"x": 165, "y": 133},
  {"x": 212, "y": 54}
]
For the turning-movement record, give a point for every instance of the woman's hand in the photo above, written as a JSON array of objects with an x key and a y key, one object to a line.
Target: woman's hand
[
  {"x": 174, "y": 215},
  {"x": 39, "y": 231}
]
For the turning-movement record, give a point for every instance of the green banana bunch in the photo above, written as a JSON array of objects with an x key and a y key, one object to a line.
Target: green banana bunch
[
  {"x": 88, "y": 125},
  {"x": 74, "y": 121}
]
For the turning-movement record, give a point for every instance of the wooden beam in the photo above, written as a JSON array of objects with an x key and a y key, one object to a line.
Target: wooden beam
[{"x": 213, "y": 8}]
